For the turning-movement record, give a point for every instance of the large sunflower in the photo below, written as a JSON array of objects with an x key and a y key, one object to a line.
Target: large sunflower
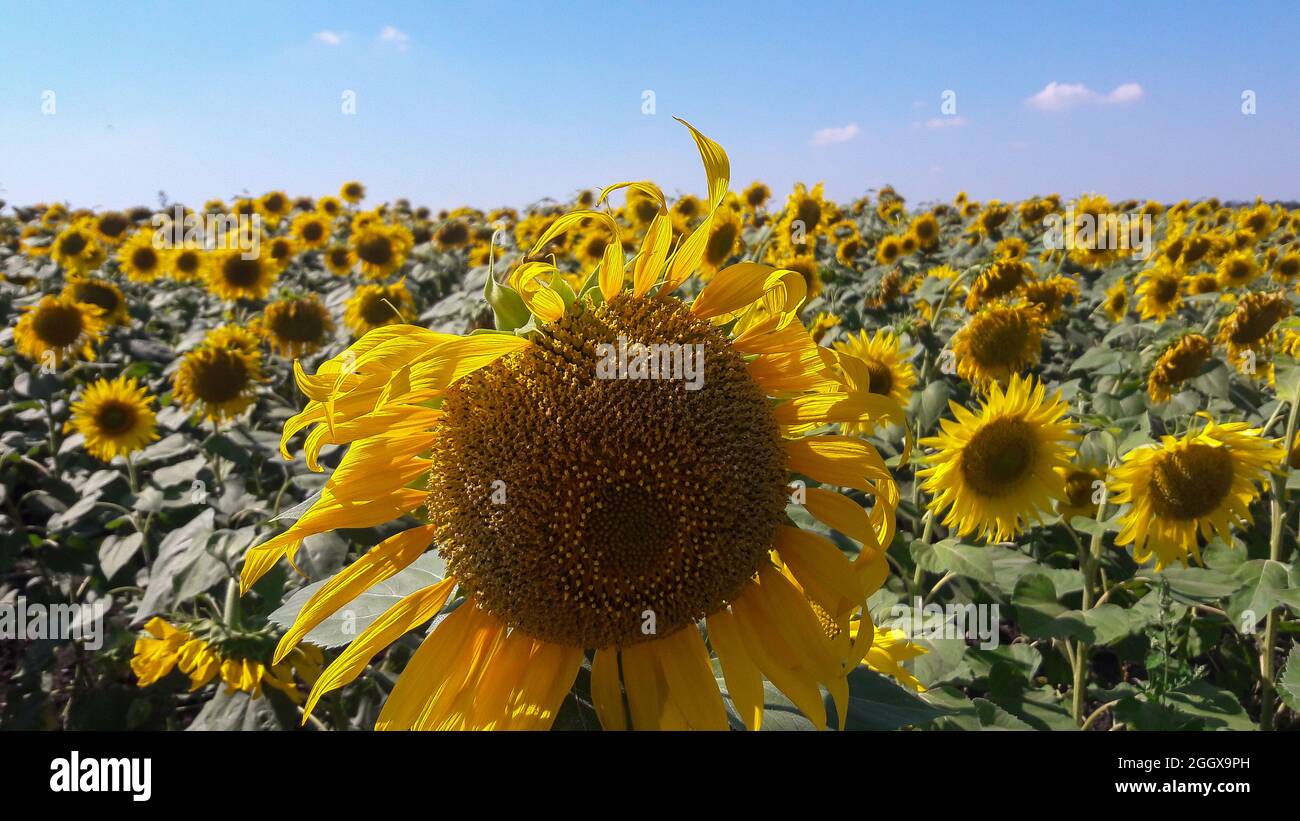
[
  {"x": 995, "y": 470},
  {"x": 578, "y": 513},
  {"x": 1202, "y": 482},
  {"x": 311, "y": 229},
  {"x": 59, "y": 327},
  {"x": 296, "y": 327},
  {"x": 115, "y": 418},
  {"x": 220, "y": 376},
  {"x": 1160, "y": 292},
  {"x": 233, "y": 274},
  {"x": 374, "y": 306},
  {"x": 381, "y": 249}
]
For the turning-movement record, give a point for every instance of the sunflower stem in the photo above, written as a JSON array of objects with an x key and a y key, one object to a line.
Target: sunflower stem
[
  {"x": 230, "y": 612},
  {"x": 1089, "y": 560},
  {"x": 1277, "y": 507}
]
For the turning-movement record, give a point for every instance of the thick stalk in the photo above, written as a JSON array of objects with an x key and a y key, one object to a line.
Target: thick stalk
[{"x": 1277, "y": 507}]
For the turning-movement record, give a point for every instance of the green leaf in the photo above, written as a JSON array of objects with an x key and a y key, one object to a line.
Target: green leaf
[
  {"x": 1288, "y": 684},
  {"x": 1042, "y": 616},
  {"x": 1198, "y": 583},
  {"x": 950, "y": 555},
  {"x": 877, "y": 703},
  {"x": 508, "y": 307}
]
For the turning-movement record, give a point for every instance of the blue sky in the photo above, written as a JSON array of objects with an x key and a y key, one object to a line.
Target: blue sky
[{"x": 502, "y": 103}]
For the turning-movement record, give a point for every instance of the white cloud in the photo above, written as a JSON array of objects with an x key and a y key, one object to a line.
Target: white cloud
[
  {"x": 836, "y": 134},
  {"x": 1061, "y": 96},
  {"x": 397, "y": 37},
  {"x": 329, "y": 38},
  {"x": 946, "y": 122}
]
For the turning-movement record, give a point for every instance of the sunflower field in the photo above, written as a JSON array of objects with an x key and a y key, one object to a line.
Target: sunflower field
[{"x": 330, "y": 464}]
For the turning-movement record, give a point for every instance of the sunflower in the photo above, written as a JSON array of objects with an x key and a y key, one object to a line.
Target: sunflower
[
  {"x": 451, "y": 235},
  {"x": 926, "y": 230},
  {"x": 101, "y": 293},
  {"x": 139, "y": 259},
  {"x": 1237, "y": 270},
  {"x": 58, "y": 328},
  {"x": 997, "y": 342},
  {"x": 115, "y": 418},
  {"x": 626, "y": 564},
  {"x": 164, "y": 647},
  {"x": 756, "y": 195},
  {"x": 1203, "y": 482},
  {"x": 1159, "y": 292},
  {"x": 1010, "y": 249},
  {"x": 849, "y": 249},
  {"x": 1179, "y": 362},
  {"x": 281, "y": 251},
  {"x": 1116, "y": 302},
  {"x": 685, "y": 212},
  {"x": 802, "y": 220},
  {"x": 77, "y": 249},
  {"x": 329, "y": 206},
  {"x": 822, "y": 324},
  {"x": 233, "y": 274},
  {"x": 373, "y": 306},
  {"x": 340, "y": 260},
  {"x": 352, "y": 192},
  {"x": 723, "y": 242},
  {"x": 311, "y": 230},
  {"x": 996, "y": 470},
  {"x": 274, "y": 206},
  {"x": 184, "y": 264},
  {"x": 111, "y": 227},
  {"x": 1050, "y": 295},
  {"x": 999, "y": 279},
  {"x": 889, "y": 649},
  {"x": 296, "y": 327},
  {"x": 221, "y": 375},
  {"x": 807, "y": 267},
  {"x": 1286, "y": 267},
  {"x": 381, "y": 249},
  {"x": 1250, "y": 326},
  {"x": 889, "y": 250},
  {"x": 1081, "y": 496},
  {"x": 889, "y": 372}
]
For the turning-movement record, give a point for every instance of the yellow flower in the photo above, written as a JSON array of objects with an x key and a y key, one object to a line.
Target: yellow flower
[
  {"x": 155, "y": 652},
  {"x": 996, "y": 470},
  {"x": 101, "y": 293},
  {"x": 296, "y": 327},
  {"x": 77, "y": 249},
  {"x": 381, "y": 249},
  {"x": 57, "y": 328},
  {"x": 115, "y": 418},
  {"x": 1202, "y": 482},
  {"x": 274, "y": 206},
  {"x": 1250, "y": 326},
  {"x": 221, "y": 375},
  {"x": 1179, "y": 362},
  {"x": 233, "y": 274},
  {"x": 340, "y": 260},
  {"x": 998, "y": 280},
  {"x": 886, "y": 370},
  {"x": 1050, "y": 295},
  {"x": 139, "y": 259},
  {"x": 998, "y": 342},
  {"x": 1117, "y": 302},
  {"x": 1159, "y": 292},
  {"x": 620, "y": 561},
  {"x": 374, "y": 306},
  {"x": 756, "y": 195},
  {"x": 1237, "y": 269},
  {"x": 352, "y": 192},
  {"x": 311, "y": 230}
]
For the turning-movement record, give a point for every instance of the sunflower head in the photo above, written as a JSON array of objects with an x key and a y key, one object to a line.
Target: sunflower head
[
  {"x": 381, "y": 249},
  {"x": 352, "y": 192},
  {"x": 1179, "y": 362},
  {"x": 451, "y": 235},
  {"x": 219, "y": 378},
  {"x": 274, "y": 206},
  {"x": 296, "y": 327},
  {"x": 888, "y": 370},
  {"x": 115, "y": 417},
  {"x": 1250, "y": 325},
  {"x": 78, "y": 249},
  {"x": 756, "y": 195},
  {"x": 585, "y": 495},
  {"x": 999, "y": 468},
  {"x": 112, "y": 226},
  {"x": 997, "y": 342},
  {"x": 57, "y": 328},
  {"x": 1116, "y": 302},
  {"x": 1051, "y": 295},
  {"x": 101, "y": 293},
  {"x": 1237, "y": 269},
  {"x": 374, "y": 306},
  {"x": 1160, "y": 292},
  {"x": 998, "y": 280},
  {"x": 139, "y": 259},
  {"x": 234, "y": 274},
  {"x": 311, "y": 230},
  {"x": 1201, "y": 483},
  {"x": 1082, "y": 496}
]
